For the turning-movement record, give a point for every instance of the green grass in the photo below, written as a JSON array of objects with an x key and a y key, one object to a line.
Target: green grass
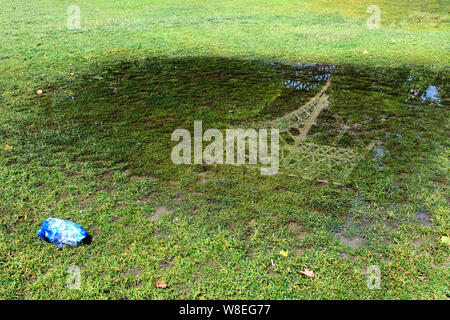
[{"x": 95, "y": 148}]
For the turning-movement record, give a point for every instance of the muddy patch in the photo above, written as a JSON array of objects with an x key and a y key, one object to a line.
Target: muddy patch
[
  {"x": 159, "y": 213},
  {"x": 203, "y": 177},
  {"x": 378, "y": 225},
  {"x": 271, "y": 270},
  {"x": 297, "y": 229},
  {"x": 353, "y": 243},
  {"x": 143, "y": 178},
  {"x": 424, "y": 218},
  {"x": 134, "y": 272},
  {"x": 250, "y": 252},
  {"x": 346, "y": 256},
  {"x": 299, "y": 251},
  {"x": 320, "y": 183},
  {"x": 166, "y": 265},
  {"x": 161, "y": 235}
]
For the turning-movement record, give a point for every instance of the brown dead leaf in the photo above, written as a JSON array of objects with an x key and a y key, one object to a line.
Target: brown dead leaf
[
  {"x": 309, "y": 273},
  {"x": 160, "y": 284}
]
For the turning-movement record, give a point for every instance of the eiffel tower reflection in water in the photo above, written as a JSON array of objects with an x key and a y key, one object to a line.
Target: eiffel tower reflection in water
[{"x": 299, "y": 156}]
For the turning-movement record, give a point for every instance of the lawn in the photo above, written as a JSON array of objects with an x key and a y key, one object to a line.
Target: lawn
[{"x": 94, "y": 148}]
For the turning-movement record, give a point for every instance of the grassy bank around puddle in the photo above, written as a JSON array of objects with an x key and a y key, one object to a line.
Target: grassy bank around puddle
[{"x": 95, "y": 148}]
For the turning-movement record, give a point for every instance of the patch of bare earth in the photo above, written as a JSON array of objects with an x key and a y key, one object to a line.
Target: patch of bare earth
[
  {"x": 297, "y": 229},
  {"x": 203, "y": 177},
  {"x": 424, "y": 218},
  {"x": 159, "y": 213},
  {"x": 354, "y": 243}
]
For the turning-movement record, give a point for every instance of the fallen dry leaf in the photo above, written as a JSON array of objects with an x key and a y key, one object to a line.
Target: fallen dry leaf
[
  {"x": 309, "y": 273},
  {"x": 160, "y": 284},
  {"x": 284, "y": 253}
]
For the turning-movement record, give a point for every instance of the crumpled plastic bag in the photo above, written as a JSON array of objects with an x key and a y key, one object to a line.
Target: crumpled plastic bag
[{"x": 62, "y": 232}]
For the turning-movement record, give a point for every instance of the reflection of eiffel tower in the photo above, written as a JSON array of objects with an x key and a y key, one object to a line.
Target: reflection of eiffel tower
[
  {"x": 298, "y": 122},
  {"x": 305, "y": 159}
]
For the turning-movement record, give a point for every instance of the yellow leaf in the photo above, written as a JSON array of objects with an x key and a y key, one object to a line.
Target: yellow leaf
[
  {"x": 446, "y": 240},
  {"x": 8, "y": 147},
  {"x": 284, "y": 253}
]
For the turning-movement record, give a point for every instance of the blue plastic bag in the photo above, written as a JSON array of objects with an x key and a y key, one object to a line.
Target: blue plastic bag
[{"x": 62, "y": 232}]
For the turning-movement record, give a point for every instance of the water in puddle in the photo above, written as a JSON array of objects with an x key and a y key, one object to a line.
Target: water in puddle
[
  {"x": 155, "y": 97},
  {"x": 364, "y": 107},
  {"x": 432, "y": 94},
  {"x": 309, "y": 77}
]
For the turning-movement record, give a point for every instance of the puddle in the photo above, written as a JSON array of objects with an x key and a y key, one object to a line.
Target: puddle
[
  {"x": 378, "y": 153},
  {"x": 421, "y": 89},
  {"x": 333, "y": 111},
  {"x": 377, "y": 225},
  {"x": 308, "y": 77},
  {"x": 432, "y": 94},
  {"x": 417, "y": 136}
]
